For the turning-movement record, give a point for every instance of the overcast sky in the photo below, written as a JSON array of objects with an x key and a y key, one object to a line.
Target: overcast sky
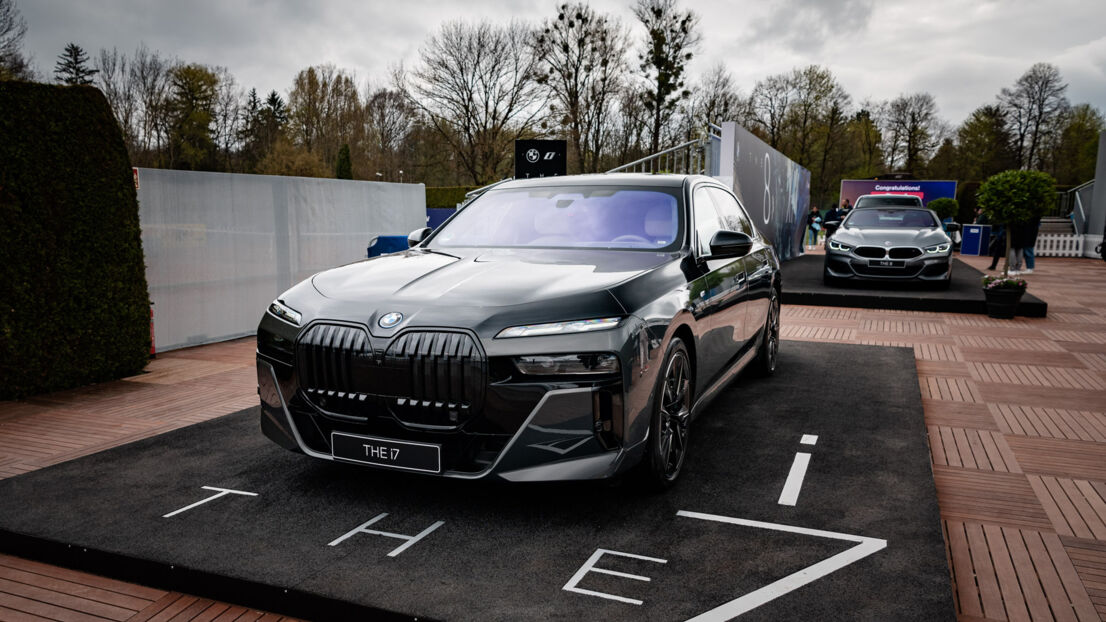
[{"x": 961, "y": 51}]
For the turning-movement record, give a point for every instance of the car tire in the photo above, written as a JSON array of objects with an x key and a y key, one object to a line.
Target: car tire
[
  {"x": 769, "y": 348},
  {"x": 669, "y": 427}
]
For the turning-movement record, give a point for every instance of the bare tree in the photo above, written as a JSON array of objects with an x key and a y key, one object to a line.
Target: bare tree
[
  {"x": 13, "y": 65},
  {"x": 476, "y": 86},
  {"x": 227, "y": 117},
  {"x": 717, "y": 99},
  {"x": 1035, "y": 108},
  {"x": 149, "y": 73},
  {"x": 812, "y": 88},
  {"x": 389, "y": 121},
  {"x": 771, "y": 102},
  {"x": 670, "y": 42},
  {"x": 914, "y": 130},
  {"x": 324, "y": 109},
  {"x": 630, "y": 122},
  {"x": 583, "y": 60},
  {"x": 114, "y": 80}
]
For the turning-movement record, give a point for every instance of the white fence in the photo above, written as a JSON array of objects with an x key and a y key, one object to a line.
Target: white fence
[
  {"x": 220, "y": 247},
  {"x": 1058, "y": 245}
]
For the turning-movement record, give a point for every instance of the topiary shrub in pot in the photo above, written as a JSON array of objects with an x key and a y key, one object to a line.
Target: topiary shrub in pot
[{"x": 1011, "y": 198}]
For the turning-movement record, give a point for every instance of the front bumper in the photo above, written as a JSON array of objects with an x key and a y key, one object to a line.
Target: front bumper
[
  {"x": 555, "y": 440},
  {"x": 847, "y": 265}
]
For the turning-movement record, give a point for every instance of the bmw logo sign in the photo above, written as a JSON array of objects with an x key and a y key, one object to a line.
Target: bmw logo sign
[{"x": 389, "y": 320}]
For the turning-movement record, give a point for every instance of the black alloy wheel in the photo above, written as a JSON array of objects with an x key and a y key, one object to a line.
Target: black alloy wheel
[
  {"x": 769, "y": 349},
  {"x": 670, "y": 427}
]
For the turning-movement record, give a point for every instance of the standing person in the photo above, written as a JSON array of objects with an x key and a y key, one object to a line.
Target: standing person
[
  {"x": 997, "y": 247},
  {"x": 1031, "y": 241},
  {"x": 833, "y": 214},
  {"x": 813, "y": 225},
  {"x": 846, "y": 207},
  {"x": 1021, "y": 235}
]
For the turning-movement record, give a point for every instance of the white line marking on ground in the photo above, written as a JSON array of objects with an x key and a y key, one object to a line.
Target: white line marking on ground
[
  {"x": 222, "y": 493},
  {"x": 728, "y": 611},
  {"x": 794, "y": 483},
  {"x": 589, "y": 566},
  {"x": 410, "y": 540},
  {"x": 808, "y": 439}
]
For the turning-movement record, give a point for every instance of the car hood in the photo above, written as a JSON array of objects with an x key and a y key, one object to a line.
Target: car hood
[
  {"x": 891, "y": 237},
  {"x": 481, "y": 288},
  {"x": 492, "y": 278}
]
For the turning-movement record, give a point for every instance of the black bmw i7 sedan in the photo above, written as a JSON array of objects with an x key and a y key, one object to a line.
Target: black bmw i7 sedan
[{"x": 563, "y": 328}]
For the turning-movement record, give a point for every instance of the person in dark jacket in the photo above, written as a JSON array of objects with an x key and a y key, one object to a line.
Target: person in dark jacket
[
  {"x": 813, "y": 225},
  {"x": 1031, "y": 242},
  {"x": 997, "y": 247},
  {"x": 1022, "y": 234}
]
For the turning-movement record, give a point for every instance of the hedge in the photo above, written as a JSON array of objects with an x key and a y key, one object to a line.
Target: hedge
[
  {"x": 447, "y": 196},
  {"x": 74, "y": 308}
]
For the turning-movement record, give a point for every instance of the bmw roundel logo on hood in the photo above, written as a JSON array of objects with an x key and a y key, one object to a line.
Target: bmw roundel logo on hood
[{"x": 389, "y": 320}]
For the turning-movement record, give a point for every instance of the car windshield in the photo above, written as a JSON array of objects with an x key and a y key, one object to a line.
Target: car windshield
[
  {"x": 890, "y": 218},
  {"x": 568, "y": 217},
  {"x": 890, "y": 201}
]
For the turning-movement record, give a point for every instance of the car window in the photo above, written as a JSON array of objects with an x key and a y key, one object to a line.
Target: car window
[
  {"x": 890, "y": 218},
  {"x": 568, "y": 217},
  {"x": 730, "y": 211},
  {"x": 707, "y": 222},
  {"x": 888, "y": 200}
]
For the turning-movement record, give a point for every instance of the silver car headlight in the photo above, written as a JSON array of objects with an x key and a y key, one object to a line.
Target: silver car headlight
[
  {"x": 559, "y": 328},
  {"x": 587, "y": 364},
  {"x": 286, "y": 313},
  {"x": 837, "y": 246},
  {"x": 938, "y": 248}
]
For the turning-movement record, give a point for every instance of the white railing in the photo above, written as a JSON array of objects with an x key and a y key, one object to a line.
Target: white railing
[{"x": 1059, "y": 245}]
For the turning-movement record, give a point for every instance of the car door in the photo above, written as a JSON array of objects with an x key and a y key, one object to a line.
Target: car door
[
  {"x": 757, "y": 264},
  {"x": 719, "y": 291}
]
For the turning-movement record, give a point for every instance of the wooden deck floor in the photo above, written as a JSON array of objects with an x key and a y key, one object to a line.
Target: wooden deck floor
[{"x": 1016, "y": 413}]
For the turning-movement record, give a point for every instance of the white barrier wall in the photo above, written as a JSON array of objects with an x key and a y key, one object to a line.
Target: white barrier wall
[{"x": 220, "y": 247}]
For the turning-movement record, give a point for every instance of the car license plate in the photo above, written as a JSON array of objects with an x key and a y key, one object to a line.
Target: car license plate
[
  {"x": 886, "y": 263},
  {"x": 386, "y": 452}
]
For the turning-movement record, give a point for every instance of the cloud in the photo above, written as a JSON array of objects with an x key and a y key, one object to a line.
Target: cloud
[{"x": 806, "y": 25}]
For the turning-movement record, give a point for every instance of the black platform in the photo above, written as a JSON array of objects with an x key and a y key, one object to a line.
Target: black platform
[
  {"x": 802, "y": 285},
  {"x": 865, "y": 525}
]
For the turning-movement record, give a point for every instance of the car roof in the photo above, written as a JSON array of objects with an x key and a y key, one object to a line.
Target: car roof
[{"x": 604, "y": 179}]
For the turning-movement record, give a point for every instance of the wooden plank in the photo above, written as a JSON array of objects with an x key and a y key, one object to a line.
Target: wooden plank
[
  {"x": 1031, "y": 589},
  {"x": 73, "y": 589},
  {"x": 1012, "y": 598},
  {"x": 75, "y": 603},
  {"x": 963, "y": 571},
  {"x": 989, "y": 592},
  {"x": 1049, "y": 578},
  {"x": 47, "y": 610},
  {"x": 11, "y": 615},
  {"x": 1077, "y": 594}
]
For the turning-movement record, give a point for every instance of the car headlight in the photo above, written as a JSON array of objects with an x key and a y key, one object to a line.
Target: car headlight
[
  {"x": 837, "y": 246},
  {"x": 567, "y": 364},
  {"x": 939, "y": 248},
  {"x": 286, "y": 313},
  {"x": 559, "y": 328}
]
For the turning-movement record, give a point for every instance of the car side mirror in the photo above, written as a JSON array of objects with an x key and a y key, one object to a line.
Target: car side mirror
[
  {"x": 417, "y": 236},
  {"x": 730, "y": 244},
  {"x": 952, "y": 226},
  {"x": 831, "y": 226}
]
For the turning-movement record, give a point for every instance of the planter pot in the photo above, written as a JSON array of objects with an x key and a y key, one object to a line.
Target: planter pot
[{"x": 1002, "y": 302}]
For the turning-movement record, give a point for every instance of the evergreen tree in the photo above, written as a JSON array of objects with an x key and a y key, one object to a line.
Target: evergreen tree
[
  {"x": 344, "y": 169},
  {"x": 72, "y": 66}
]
